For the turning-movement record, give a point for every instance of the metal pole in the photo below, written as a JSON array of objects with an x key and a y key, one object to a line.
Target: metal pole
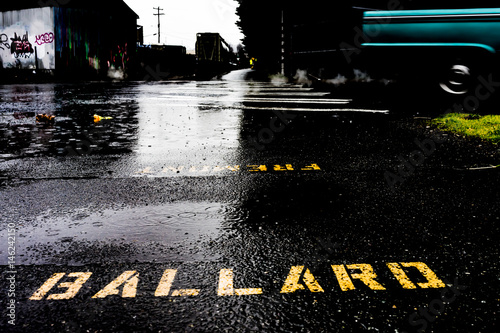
[{"x": 36, "y": 58}]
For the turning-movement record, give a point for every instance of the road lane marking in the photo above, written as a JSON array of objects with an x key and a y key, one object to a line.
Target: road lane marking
[
  {"x": 256, "y": 168},
  {"x": 311, "y": 167},
  {"x": 229, "y": 167},
  {"x": 401, "y": 276},
  {"x": 287, "y": 167},
  {"x": 226, "y": 288},
  {"x": 297, "y": 100},
  {"x": 284, "y": 89},
  {"x": 232, "y": 168},
  {"x": 224, "y": 99},
  {"x": 292, "y": 283},
  {"x": 172, "y": 169},
  {"x": 432, "y": 280},
  {"x": 287, "y": 93},
  {"x": 72, "y": 287},
  {"x": 166, "y": 283},
  {"x": 311, "y": 109},
  {"x": 299, "y": 278},
  {"x": 228, "y": 90},
  {"x": 128, "y": 279},
  {"x": 186, "y": 292},
  {"x": 367, "y": 276},
  {"x": 146, "y": 170}
]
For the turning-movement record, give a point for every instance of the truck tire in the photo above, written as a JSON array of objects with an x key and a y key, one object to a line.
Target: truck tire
[
  {"x": 457, "y": 79},
  {"x": 458, "y": 74}
]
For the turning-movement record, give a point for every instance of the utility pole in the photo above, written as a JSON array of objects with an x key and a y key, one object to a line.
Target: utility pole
[
  {"x": 159, "y": 31},
  {"x": 282, "y": 42}
]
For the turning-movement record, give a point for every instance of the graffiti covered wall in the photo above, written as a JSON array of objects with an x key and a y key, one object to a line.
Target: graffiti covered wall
[{"x": 27, "y": 39}]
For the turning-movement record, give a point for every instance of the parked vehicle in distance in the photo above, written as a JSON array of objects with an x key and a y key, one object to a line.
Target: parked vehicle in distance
[{"x": 213, "y": 55}]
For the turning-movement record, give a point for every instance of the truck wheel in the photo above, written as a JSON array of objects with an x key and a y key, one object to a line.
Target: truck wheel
[{"x": 456, "y": 80}]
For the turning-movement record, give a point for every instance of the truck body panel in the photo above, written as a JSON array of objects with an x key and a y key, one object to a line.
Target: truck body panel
[
  {"x": 449, "y": 49},
  {"x": 476, "y": 28}
]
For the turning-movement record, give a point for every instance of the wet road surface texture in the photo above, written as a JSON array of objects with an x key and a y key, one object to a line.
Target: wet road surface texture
[{"x": 238, "y": 205}]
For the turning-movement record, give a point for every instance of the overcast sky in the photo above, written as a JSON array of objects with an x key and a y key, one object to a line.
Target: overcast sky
[{"x": 183, "y": 19}]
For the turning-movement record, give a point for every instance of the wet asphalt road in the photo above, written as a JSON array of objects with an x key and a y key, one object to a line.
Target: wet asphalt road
[{"x": 237, "y": 205}]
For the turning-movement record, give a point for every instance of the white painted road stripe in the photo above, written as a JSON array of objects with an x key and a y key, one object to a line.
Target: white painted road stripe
[
  {"x": 287, "y": 89},
  {"x": 235, "y": 89},
  {"x": 286, "y": 93},
  {"x": 312, "y": 110},
  {"x": 259, "y": 100},
  {"x": 242, "y": 107},
  {"x": 298, "y": 100}
]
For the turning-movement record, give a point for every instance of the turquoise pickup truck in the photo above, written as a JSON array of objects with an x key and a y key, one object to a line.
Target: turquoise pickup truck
[{"x": 451, "y": 46}]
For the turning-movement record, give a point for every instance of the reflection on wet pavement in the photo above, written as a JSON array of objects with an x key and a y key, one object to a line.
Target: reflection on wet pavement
[
  {"x": 176, "y": 230},
  {"x": 187, "y": 129},
  {"x": 155, "y": 119},
  {"x": 73, "y": 131}
]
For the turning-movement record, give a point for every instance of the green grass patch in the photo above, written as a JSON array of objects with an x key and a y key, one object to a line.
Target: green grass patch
[{"x": 472, "y": 125}]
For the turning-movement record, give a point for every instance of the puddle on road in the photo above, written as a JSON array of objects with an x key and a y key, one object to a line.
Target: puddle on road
[
  {"x": 73, "y": 132},
  {"x": 180, "y": 227}
]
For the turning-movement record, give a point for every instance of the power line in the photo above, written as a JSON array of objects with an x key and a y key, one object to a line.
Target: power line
[{"x": 159, "y": 30}]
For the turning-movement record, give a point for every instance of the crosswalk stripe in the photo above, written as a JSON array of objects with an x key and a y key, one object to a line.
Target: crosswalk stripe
[
  {"x": 286, "y": 93},
  {"x": 313, "y": 109},
  {"x": 260, "y": 100}
]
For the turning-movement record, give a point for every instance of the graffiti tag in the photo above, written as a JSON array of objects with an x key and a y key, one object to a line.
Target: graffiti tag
[
  {"x": 3, "y": 42},
  {"x": 45, "y": 38},
  {"x": 21, "y": 47}
]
